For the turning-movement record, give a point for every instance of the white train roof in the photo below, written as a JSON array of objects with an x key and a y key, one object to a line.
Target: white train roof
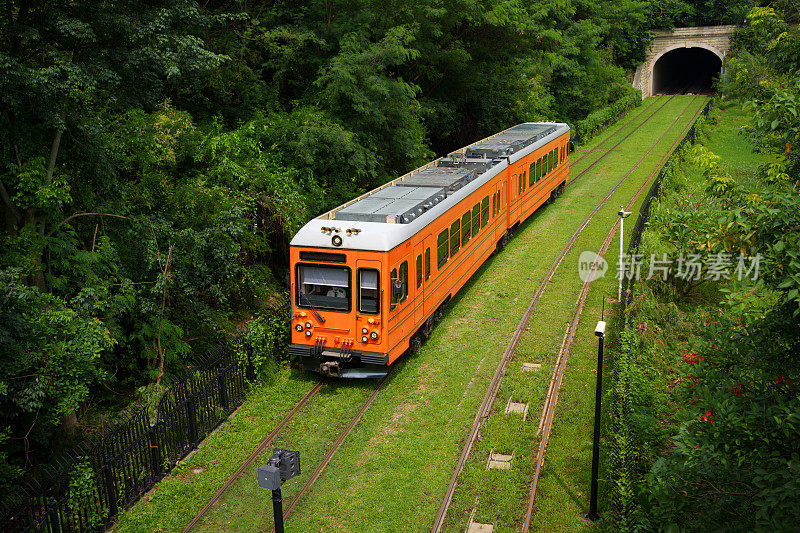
[{"x": 386, "y": 217}]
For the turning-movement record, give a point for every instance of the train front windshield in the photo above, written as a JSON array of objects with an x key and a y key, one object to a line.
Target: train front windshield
[{"x": 323, "y": 287}]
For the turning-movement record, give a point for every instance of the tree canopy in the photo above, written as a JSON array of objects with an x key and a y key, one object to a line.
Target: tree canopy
[{"x": 155, "y": 157}]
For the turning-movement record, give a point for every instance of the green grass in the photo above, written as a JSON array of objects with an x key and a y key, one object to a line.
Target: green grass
[
  {"x": 392, "y": 471},
  {"x": 563, "y": 493},
  {"x": 174, "y": 501}
]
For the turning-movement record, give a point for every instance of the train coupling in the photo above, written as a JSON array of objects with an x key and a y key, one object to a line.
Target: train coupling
[{"x": 330, "y": 369}]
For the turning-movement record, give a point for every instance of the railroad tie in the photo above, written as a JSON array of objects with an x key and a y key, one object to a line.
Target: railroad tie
[
  {"x": 531, "y": 367},
  {"x": 518, "y": 408},
  {"x": 499, "y": 461}
]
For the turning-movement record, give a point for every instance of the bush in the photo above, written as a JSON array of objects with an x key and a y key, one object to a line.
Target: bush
[{"x": 587, "y": 127}]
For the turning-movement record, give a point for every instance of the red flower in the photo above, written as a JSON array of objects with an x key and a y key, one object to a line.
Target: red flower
[
  {"x": 779, "y": 379},
  {"x": 737, "y": 389},
  {"x": 691, "y": 358},
  {"x": 708, "y": 417}
]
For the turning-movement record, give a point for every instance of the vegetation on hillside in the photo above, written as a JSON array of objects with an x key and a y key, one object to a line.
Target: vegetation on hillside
[
  {"x": 155, "y": 158},
  {"x": 710, "y": 437}
]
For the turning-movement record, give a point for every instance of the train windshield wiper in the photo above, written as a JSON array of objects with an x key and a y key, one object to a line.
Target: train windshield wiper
[{"x": 313, "y": 309}]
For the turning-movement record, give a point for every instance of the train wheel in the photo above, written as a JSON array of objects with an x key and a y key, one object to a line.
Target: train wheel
[
  {"x": 504, "y": 240},
  {"x": 415, "y": 344}
]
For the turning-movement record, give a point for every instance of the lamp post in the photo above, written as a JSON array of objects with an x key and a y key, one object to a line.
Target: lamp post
[
  {"x": 283, "y": 465},
  {"x": 600, "y": 331},
  {"x": 622, "y": 216}
]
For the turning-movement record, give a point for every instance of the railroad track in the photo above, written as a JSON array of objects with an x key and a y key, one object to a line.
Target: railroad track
[
  {"x": 257, "y": 452},
  {"x": 612, "y": 135},
  {"x": 610, "y": 150},
  {"x": 483, "y": 412},
  {"x": 548, "y": 412},
  {"x": 337, "y": 444},
  {"x": 270, "y": 437},
  {"x": 581, "y": 158},
  {"x": 494, "y": 385}
]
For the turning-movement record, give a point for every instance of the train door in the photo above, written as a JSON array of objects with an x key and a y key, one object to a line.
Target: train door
[
  {"x": 421, "y": 259},
  {"x": 515, "y": 196},
  {"x": 507, "y": 200},
  {"x": 370, "y": 294}
]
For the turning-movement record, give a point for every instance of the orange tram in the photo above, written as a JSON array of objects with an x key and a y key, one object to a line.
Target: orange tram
[{"x": 370, "y": 277}]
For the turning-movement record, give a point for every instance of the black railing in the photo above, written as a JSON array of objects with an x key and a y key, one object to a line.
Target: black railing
[{"x": 84, "y": 489}]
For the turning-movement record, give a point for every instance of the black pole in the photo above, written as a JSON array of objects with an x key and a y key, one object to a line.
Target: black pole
[
  {"x": 593, "y": 516},
  {"x": 277, "y": 510}
]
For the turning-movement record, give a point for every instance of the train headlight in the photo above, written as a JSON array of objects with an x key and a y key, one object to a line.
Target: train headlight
[
  {"x": 308, "y": 333},
  {"x": 364, "y": 331},
  {"x": 374, "y": 335},
  {"x": 308, "y": 325},
  {"x": 299, "y": 327},
  {"x": 364, "y": 338}
]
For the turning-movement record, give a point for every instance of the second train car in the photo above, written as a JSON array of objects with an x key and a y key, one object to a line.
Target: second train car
[{"x": 369, "y": 278}]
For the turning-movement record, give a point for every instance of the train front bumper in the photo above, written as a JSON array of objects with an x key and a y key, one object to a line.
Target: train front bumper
[{"x": 341, "y": 364}]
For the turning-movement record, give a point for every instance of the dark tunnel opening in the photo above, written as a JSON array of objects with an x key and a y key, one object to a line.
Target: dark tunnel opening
[{"x": 686, "y": 70}]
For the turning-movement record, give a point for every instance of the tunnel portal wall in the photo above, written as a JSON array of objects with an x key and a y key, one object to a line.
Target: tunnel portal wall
[{"x": 715, "y": 39}]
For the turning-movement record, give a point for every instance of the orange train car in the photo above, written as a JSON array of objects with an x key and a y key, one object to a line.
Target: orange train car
[{"x": 369, "y": 278}]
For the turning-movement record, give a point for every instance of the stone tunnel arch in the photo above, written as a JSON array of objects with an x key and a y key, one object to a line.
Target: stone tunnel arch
[
  {"x": 692, "y": 67},
  {"x": 703, "y": 44}
]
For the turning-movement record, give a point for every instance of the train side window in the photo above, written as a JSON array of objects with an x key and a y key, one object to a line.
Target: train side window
[
  {"x": 551, "y": 160},
  {"x": 562, "y": 154},
  {"x": 404, "y": 280},
  {"x": 485, "y": 212},
  {"x": 392, "y": 300},
  {"x": 419, "y": 270},
  {"x": 544, "y": 167},
  {"x": 494, "y": 204},
  {"x": 441, "y": 249},
  {"x": 524, "y": 179},
  {"x": 455, "y": 237},
  {"x": 465, "y": 228},
  {"x": 427, "y": 264},
  {"x": 519, "y": 184},
  {"x": 476, "y": 218},
  {"x": 369, "y": 294},
  {"x": 531, "y": 174}
]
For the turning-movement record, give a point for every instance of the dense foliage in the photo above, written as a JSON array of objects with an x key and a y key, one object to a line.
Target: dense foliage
[
  {"x": 723, "y": 350},
  {"x": 155, "y": 157}
]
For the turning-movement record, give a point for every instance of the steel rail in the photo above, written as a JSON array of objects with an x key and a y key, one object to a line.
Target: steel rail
[
  {"x": 642, "y": 112},
  {"x": 558, "y": 372},
  {"x": 252, "y": 456},
  {"x": 491, "y": 393},
  {"x": 336, "y": 445},
  {"x": 596, "y": 161}
]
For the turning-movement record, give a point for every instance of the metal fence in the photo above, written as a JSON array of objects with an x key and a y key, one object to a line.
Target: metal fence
[{"x": 87, "y": 487}]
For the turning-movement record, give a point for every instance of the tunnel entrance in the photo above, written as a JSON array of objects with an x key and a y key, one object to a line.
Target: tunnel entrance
[{"x": 686, "y": 70}]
